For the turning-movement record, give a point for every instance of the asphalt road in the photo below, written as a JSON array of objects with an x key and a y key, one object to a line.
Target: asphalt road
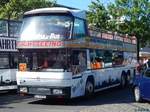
[{"x": 113, "y": 100}]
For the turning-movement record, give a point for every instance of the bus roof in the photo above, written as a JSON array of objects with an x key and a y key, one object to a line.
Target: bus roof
[{"x": 76, "y": 13}]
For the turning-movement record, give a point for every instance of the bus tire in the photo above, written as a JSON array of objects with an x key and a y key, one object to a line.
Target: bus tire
[
  {"x": 89, "y": 87},
  {"x": 137, "y": 94},
  {"x": 123, "y": 81}
]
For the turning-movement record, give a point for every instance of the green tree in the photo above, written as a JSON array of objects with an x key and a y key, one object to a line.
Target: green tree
[
  {"x": 14, "y": 9},
  {"x": 3, "y": 2},
  {"x": 136, "y": 14},
  {"x": 97, "y": 15}
]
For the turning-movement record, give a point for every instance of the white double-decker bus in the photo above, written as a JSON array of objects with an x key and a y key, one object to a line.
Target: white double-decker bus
[
  {"x": 60, "y": 57},
  {"x": 9, "y": 32}
]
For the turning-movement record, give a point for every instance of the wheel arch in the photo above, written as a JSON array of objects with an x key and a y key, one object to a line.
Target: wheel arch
[{"x": 91, "y": 78}]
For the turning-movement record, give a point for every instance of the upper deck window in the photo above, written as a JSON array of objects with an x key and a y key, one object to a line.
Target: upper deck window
[
  {"x": 46, "y": 27},
  {"x": 3, "y": 28},
  {"x": 79, "y": 28}
]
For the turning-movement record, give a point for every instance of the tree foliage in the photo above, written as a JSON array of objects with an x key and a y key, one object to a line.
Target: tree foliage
[
  {"x": 124, "y": 16},
  {"x": 97, "y": 15},
  {"x": 14, "y": 9},
  {"x": 135, "y": 14},
  {"x": 3, "y": 2}
]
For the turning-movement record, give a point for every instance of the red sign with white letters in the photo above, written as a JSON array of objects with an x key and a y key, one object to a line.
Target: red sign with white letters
[{"x": 35, "y": 44}]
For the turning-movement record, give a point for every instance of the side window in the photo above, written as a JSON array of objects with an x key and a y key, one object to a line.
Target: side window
[
  {"x": 78, "y": 61},
  {"x": 4, "y": 61},
  {"x": 79, "y": 28},
  {"x": 96, "y": 59},
  {"x": 117, "y": 58},
  {"x": 100, "y": 59},
  {"x": 3, "y": 28},
  {"x": 147, "y": 73},
  {"x": 13, "y": 60},
  {"x": 108, "y": 58}
]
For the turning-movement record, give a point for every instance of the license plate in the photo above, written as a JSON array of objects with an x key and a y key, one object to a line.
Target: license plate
[{"x": 40, "y": 96}]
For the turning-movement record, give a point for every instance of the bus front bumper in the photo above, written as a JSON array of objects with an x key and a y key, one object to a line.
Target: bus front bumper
[{"x": 46, "y": 92}]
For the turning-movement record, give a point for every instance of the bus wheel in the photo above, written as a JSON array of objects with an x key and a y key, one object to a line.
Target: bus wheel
[
  {"x": 123, "y": 81},
  {"x": 89, "y": 88},
  {"x": 137, "y": 94}
]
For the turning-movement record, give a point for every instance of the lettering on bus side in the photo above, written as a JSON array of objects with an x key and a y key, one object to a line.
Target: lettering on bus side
[{"x": 7, "y": 44}]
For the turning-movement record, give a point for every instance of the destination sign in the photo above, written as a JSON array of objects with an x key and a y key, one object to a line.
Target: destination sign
[
  {"x": 7, "y": 44},
  {"x": 38, "y": 44}
]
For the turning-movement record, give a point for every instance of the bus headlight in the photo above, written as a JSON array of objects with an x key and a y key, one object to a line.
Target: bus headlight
[
  {"x": 57, "y": 91},
  {"x": 23, "y": 89}
]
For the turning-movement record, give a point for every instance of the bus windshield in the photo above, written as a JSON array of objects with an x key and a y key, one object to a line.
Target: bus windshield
[
  {"x": 46, "y": 27},
  {"x": 44, "y": 60}
]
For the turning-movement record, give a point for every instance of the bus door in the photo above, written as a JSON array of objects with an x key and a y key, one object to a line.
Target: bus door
[
  {"x": 78, "y": 62},
  {"x": 78, "y": 66}
]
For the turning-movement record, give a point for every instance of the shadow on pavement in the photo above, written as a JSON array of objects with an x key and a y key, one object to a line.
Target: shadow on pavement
[
  {"x": 11, "y": 97},
  {"x": 5, "y": 107},
  {"x": 111, "y": 96}
]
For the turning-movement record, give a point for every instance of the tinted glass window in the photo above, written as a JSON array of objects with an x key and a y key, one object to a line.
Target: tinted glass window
[
  {"x": 13, "y": 60},
  {"x": 117, "y": 58},
  {"x": 15, "y": 28},
  {"x": 3, "y": 28},
  {"x": 108, "y": 58},
  {"x": 78, "y": 61},
  {"x": 45, "y": 60},
  {"x": 46, "y": 27},
  {"x": 4, "y": 61},
  {"x": 79, "y": 28},
  {"x": 100, "y": 58}
]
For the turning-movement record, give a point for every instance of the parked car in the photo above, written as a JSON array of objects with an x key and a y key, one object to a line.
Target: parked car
[{"x": 142, "y": 86}]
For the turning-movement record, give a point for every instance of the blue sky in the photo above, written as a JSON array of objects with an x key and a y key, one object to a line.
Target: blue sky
[{"x": 81, "y": 4}]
